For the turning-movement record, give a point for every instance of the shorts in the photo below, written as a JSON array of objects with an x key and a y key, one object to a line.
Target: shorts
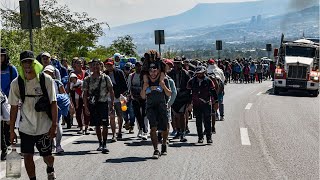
[
  {"x": 43, "y": 143},
  {"x": 158, "y": 117},
  {"x": 117, "y": 108},
  {"x": 99, "y": 114}
]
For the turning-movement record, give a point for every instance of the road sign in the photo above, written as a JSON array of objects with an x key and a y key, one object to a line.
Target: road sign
[
  {"x": 218, "y": 45},
  {"x": 159, "y": 37}
]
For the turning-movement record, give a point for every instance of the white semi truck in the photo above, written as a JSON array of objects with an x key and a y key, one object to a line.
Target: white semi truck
[{"x": 297, "y": 66}]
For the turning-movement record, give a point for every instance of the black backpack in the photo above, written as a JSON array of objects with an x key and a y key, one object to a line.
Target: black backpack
[{"x": 43, "y": 104}]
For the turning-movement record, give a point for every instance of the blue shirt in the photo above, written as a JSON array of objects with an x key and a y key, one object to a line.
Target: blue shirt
[{"x": 5, "y": 79}]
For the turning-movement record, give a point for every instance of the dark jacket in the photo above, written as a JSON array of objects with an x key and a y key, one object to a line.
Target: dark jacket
[
  {"x": 183, "y": 94},
  {"x": 121, "y": 83}
]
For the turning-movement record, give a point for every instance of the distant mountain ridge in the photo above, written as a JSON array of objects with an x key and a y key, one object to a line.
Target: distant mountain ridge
[{"x": 202, "y": 16}]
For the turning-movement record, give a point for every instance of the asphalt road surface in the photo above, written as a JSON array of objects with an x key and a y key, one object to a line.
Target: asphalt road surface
[{"x": 263, "y": 137}]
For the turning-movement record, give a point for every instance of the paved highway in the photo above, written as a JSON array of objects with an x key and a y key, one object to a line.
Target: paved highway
[{"x": 263, "y": 137}]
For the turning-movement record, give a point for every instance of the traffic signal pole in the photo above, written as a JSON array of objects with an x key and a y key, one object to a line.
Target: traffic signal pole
[{"x": 30, "y": 27}]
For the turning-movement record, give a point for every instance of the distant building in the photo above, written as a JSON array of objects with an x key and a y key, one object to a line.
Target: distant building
[
  {"x": 253, "y": 20},
  {"x": 259, "y": 19}
]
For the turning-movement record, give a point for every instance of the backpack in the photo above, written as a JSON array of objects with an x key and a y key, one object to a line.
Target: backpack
[{"x": 43, "y": 103}]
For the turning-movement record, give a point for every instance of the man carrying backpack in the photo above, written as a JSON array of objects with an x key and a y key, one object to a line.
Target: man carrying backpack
[
  {"x": 39, "y": 113},
  {"x": 8, "y": 73},
  {"x": 203, "y": 95}
]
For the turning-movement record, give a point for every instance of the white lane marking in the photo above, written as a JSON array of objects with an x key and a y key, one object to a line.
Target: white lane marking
[
  {"x": 249, "y": 105},
  {"x": 245, "y": 137},
  {"x": 35, "y": 158},
  {"x": 270, "y": 86},
  {"x": 259, "y": 93}
]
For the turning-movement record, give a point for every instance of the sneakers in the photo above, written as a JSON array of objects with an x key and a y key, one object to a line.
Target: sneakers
[
  {"x": 209, "y": 141},
  {"x": 213, "y": 130},
  {"x": 187, "y": 130},
  {"x": 51, "y": 176},
  {"x": 59, "y": 150},
  {"x": 119, "y": 136},
  {"x": 104, "y": 149},
  {"x": 200, "y": 141},
  {"x": 221, "y": 118},
  {"x": 156, "y": 154},
  {"x": 131, "y": 130},
  {"x": 174, "y": 132},
  {"x": 177, "y": 136},
  {"x": 144, "y": 136},
  {"x": 183, "y": 138},
  {"x": 127, "y": 126},
  {"x": 100, "y": 147},
  {"x": 139, "y": 134},
  {"x": 80, "y": 132},
  {"x": 164, "y": 149},
  {"x": 86, "y": 132},
  {"x": 114, "y": 139}
]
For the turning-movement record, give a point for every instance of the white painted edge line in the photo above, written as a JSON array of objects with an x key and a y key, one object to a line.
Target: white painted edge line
[
  {"x": 249, "y": 105},
  {"x": 35, "y": 158},
  {"x": 245, "y": 137},
  {"x": 259, "y": 93}
]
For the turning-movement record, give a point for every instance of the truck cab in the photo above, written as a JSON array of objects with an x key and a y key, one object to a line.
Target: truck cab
[{"x": 297, "y": 67}]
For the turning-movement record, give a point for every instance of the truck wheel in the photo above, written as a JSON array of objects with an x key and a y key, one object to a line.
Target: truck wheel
[
  {"x": 315, "y": 93},
  {"x": 276, "y": 90}
]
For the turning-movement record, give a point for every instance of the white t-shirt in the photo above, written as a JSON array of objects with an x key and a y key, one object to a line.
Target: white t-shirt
[{"x": 33, "y": 122}]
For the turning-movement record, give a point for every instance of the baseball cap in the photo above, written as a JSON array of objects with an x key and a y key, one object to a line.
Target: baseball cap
[
  {"x": 211, "y": 61},
  {"x": 153, "y": 66},
  {"x": 26, "y": 55},
  {"x": 200, "y": 69},
  {"x": 109, "y": 61},
  {"x": 72, "y": 75},
  {"x": 46, "y": 54},
  {"x": 169, "y": 62},
  {"x": 49, "y": 68}
]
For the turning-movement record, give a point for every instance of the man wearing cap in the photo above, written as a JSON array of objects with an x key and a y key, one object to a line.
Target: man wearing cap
[
  {"x": 203, "y": 94},
  {"x": 179, "y": 107},
  {"x": 139, "y": 105},
  {"x": 8, "y": 73},
  {"x": 36, "y": 128},
  {"x": 128, "y": 115},
  {"x": 96, "y": 88},
  {"x": 45, "y": 61},
  {"x": 156, "y": 97},
  {"x": 119, "y": 87}
]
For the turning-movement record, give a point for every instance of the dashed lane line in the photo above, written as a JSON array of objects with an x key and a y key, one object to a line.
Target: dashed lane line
[
  {"x": 249, "y": 105},
  {"x": 245, "y": 137}
]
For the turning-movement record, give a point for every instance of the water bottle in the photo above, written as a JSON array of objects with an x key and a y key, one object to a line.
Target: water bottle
[
  {"x": 123, "y": 102},
  {"x": 13, "y": 164}
]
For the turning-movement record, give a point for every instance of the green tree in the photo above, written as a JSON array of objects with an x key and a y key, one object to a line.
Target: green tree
[
  {"x": 125, "y": 46},
  {"x": 63, "y": 32}
]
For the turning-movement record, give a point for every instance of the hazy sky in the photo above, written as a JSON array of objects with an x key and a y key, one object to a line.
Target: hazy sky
[{"x": 119, "y": 12}]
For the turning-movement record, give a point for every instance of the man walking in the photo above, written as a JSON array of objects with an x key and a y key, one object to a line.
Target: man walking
[
  {"x": 119, "y": 87},
  {"x": 8, "y": 73},
  {"x": 96, "y": 88},
  {"x": 203, "y": 91},
  {"x": 36, "y": 128},
  {"x": 158, "y": 93}
]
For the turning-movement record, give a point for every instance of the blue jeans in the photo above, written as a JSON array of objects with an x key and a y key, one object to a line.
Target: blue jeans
[
  {"x": 129, "y": 114},
  {"x": 221, "y": 105}
]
